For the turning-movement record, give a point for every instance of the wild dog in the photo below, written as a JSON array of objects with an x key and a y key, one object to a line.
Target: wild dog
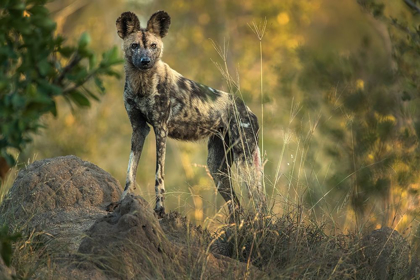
[{"x": 156, "y": 95}]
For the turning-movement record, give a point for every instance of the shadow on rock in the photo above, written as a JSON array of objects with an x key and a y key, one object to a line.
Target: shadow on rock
[{"x": 129, "y": 242}]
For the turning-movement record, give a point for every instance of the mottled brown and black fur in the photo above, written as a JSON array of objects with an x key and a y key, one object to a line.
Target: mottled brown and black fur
[{"x": 156, "y": 95}]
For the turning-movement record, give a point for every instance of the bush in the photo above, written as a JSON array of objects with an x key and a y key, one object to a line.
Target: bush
[{"x": 36, "y": 68}]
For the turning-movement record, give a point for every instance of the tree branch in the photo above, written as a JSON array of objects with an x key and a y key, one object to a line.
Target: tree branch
[
  {"x": 412, "y": 6},
  {"x": 74, "y": 61},
  {"x": 405, "y": 29},
  {"x": 77, "y": 85}
]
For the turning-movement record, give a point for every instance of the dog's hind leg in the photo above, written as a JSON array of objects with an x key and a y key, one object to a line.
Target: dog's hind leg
[{"x": 219, "y": 161}]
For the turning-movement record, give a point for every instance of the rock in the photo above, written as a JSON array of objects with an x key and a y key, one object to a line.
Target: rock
[
  {"x": 388, "y": 254},
  {"x": 180, "y": 231},
  {"x": 60, "y": 197},
  {"x": 130, "y": 244}
]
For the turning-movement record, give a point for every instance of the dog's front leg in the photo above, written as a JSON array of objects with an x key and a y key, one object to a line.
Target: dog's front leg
[
  {"x": 140, "y": 131},
  {"x": 161, "y": 133}
]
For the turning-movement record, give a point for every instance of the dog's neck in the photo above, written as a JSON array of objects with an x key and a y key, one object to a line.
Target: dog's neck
[{"x": 143, "y": 82}]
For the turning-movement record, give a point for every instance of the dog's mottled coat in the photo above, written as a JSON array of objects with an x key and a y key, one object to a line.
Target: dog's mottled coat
[{"x": 179, "y": 108}]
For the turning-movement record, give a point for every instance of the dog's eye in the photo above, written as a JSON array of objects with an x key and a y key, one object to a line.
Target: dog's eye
[
  {"x": 153, "y": 46},
  {"x": 134, "y": 45}
]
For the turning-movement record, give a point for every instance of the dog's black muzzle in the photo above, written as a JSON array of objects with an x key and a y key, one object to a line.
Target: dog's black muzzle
[{"x": 142, "y": 61}]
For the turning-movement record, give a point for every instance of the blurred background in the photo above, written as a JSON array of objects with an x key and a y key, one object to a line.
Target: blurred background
[{"x": 339, "y": 118}]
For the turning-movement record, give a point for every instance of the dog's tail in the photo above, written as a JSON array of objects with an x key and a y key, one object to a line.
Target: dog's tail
[{"x": 243, "y": 136}]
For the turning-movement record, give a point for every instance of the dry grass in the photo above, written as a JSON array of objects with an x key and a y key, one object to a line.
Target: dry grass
[{"x": 291, "y": 246}]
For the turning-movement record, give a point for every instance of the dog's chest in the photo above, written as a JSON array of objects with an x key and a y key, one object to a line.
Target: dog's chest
[{"x": 154, "y": 107}]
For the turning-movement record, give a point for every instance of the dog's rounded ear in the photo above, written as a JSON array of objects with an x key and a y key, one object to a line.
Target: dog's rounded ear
[
  {"x": 127, "y": 23},
  {"x": 159, "y": 23}
]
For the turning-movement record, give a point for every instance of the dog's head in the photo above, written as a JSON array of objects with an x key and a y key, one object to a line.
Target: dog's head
[{"x": 143, "y": 47}]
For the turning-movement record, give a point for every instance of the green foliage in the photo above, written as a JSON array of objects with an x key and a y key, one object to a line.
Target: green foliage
[
  {"x": 36, "y": 68},
  {"x": 6, "y": 241}
]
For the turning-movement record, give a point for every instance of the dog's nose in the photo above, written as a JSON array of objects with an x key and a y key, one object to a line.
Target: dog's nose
[{"x": 145, "y": 60}]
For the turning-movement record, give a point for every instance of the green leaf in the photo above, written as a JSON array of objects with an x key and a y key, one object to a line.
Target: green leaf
[
  {"x": 79, "y": 99},
  {"x": 78, "y": 74},
  {"x": 84, "y": 40},
  {"x": 92, "y": 61},
  {"x": 99, "y": 84},
  {"x": 39, "y": 10},
  {"x": 8, "y": 157},
  {"x": 50, "y": 89},
  {"x": 44, "y": 67},
  {"x": 113, "y": 57},
  {"x": 59, "y": 40},
  {"x": 19, "y": 6},
  {"x": 66, "y": 51},
  {"x": 18, "y": 101},
  {"x": 88, "y": 92},
  {"x": 110, "y": 57},
  {"x": 112, "y": 73}
]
